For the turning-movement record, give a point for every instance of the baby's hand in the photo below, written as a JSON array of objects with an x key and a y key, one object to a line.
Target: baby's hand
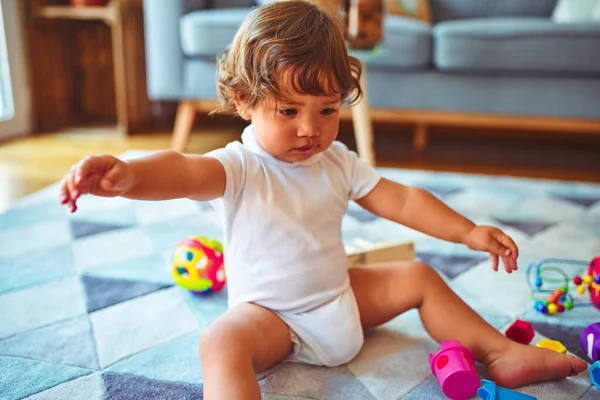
[
  {"x": 495, "y": 242},
  {"x": 102, "y": 175}
]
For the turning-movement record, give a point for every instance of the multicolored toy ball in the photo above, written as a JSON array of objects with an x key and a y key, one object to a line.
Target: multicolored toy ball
[{"x": 198, "y": 265}]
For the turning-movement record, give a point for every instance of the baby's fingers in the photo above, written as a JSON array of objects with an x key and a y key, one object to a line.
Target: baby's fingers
[
  {"x": 505, "y": 245},
  {"x": 509, "y": 264},
  {"x": 494, "y": 259}
]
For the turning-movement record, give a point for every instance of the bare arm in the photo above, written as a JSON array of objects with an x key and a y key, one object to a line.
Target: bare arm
[
  {"x": 160, "y": 176},
  {"x": 420, "y": 210},
  {"x": 169, "y": 175}
]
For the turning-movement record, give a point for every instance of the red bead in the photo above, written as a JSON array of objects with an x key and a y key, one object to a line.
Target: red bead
[
  {"x": 577, "y": 280},
  {"x": 560, "y": 308}
]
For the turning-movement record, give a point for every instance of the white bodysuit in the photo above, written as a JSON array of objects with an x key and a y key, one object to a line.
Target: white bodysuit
[{"x": 283, "y": 245}]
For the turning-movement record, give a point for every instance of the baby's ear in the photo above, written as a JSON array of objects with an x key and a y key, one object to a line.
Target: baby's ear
[{"x": 240, "y": 105}]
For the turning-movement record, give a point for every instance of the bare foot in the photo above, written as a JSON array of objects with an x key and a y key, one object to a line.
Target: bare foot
[{"x": 519, "y": 365}]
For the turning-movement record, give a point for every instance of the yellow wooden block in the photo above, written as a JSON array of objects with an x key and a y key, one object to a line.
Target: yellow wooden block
[
  {"x": 552, "y": 345},
  {"x": 383, "y": 253}
]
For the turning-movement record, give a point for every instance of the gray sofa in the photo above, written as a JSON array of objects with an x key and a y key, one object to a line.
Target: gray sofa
[{"x": 496, "y": 58}]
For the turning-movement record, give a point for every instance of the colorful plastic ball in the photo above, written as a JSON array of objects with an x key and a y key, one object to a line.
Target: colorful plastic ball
[
  {"x": 577, "y": 280},
  {"x": 538, "y": 282},
  {"x": 552, "y": 308},
  {"x": 560, "y": 308},
  {"x": 564, "y": 289},
  {"x": 597, "y": 279},
  {"x": 569, "y": 305},
  {"x": 587, "y": 279},
  {"x": 198, "y": 265},
  {"x": 581, "y": 289}
]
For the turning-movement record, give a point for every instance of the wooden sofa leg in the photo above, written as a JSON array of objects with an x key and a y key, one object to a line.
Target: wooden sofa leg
[
  {"x": 420, "y": 140},
  {"x": 184, "y": 120}
]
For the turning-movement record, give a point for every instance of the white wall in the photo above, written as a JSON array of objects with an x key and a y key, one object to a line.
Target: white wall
[{"x": 14, "y": 22}]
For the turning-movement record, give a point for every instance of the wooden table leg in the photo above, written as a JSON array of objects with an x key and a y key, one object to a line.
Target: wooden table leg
[
  {"x": 184, "y": 121},
  {"x": 363, "y": 126}
]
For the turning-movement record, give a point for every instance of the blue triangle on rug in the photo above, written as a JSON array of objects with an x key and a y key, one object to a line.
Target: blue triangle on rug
[
  {"x": 582, "y": 201},
  {"x": 105, "y": 292},
  {"x": 441, "y": 191},
  {"x": 361, "y": 215},
  {"x": 80, "y": 229},
  {"x": 21, "y": 377},
  {"x": 135, "y": 387},
  {"x": 529, "y": 227},
  {"x": 451, "y": 266},
  {"x": 67, "y": 342}
]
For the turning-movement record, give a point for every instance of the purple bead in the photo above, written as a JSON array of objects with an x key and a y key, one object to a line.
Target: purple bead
[{"x": 590, "y": 341}]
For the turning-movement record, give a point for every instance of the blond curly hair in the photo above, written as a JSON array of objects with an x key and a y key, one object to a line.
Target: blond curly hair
[{"x": 287, "y": 42}]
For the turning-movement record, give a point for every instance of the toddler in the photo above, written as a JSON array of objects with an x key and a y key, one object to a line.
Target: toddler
[{"x": 282, "y": 193}]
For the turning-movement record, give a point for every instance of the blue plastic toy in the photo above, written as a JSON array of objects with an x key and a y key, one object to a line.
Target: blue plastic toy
[
  {"x": 595, "y": 374},
  {"x": 489, "y": 391}
]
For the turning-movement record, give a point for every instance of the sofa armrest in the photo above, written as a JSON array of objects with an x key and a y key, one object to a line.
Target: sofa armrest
[{"x": 164, "y": 55}]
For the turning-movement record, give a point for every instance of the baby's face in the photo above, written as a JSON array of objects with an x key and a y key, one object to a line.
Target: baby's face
[{"x": 298, "y": 129}]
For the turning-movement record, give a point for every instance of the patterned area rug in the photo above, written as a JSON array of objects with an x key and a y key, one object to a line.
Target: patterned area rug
[{"x": 89, "y": 310}]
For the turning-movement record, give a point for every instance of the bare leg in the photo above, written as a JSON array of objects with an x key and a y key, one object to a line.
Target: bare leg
[
  {"x": 245, "y": 340},
  {"x": 384, "y": 291}
]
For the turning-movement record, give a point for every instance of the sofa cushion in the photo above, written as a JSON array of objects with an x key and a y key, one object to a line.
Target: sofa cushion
[
  {"x": 406, "y": 44},
  {"x": 207, "y": 33},
  {"x": 448, "y": 10},
  {"x": 517, "y": 45}
]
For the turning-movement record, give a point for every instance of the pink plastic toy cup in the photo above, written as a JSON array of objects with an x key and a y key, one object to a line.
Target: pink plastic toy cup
[{"x": 454, "y": 367}]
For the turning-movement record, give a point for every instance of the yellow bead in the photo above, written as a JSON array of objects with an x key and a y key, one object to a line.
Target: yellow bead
[
  {"x": 580, "y": 289},
  {"x": 588, "y": 279},
  {"x": 551, "y": 308}
]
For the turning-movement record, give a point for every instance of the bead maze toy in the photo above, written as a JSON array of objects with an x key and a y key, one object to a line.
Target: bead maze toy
[{"x": 547, "y": 279}]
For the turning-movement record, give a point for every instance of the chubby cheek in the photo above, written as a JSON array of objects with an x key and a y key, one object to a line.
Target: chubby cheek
[{"x": 330, "y": 131}]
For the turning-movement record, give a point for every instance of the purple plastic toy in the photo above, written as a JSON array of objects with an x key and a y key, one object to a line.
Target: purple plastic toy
[
  {"x": 590, "y": 341},
  {"x": 454, "y": 367}
]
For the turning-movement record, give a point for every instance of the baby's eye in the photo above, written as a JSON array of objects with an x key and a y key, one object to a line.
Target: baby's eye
[
  {"x": 329, "y": 111},
  {"x": 288, "y": 112}
]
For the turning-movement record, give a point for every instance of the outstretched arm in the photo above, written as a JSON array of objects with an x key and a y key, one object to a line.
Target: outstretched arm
[
  {"x": 418, "y": 209},
  {"x": 160, "y": 176}
]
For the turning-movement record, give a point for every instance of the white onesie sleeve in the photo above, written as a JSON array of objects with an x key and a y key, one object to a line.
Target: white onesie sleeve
[
  {"x": 361, "y": 176},
  {"x": 233, "y": 157}
]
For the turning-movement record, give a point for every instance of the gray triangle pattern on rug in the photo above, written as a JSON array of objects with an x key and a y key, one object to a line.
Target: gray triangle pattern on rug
[
  {"x": 569, "y": 336},
  {"x": 529, "y": 227},
  {"x": 80, "y": 229},
  {"x": 67, "y": 342},
  {"x": 442, "y": 191},
  {"x": 105, "y": 292},
  {"x": 582, "y": 201},
  {"x": 128, "y": 387},
  {"x": 361, "y": 215},
  {"x": 451, "y": 266}
]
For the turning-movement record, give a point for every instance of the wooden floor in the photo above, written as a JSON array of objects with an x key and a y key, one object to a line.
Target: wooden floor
[{"x": 31, "y": 163}]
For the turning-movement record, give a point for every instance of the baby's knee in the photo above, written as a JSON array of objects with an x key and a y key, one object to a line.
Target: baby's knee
[
  {"x": 216, "y": 342},
  {"x": 423, "y": 271}
]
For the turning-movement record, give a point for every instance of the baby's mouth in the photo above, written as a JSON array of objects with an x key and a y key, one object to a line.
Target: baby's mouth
[{"x": 308, "y": 147}]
